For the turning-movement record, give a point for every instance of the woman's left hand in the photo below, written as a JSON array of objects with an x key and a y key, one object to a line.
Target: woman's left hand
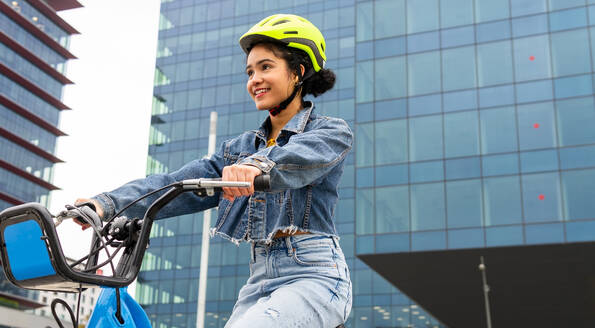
[{"x": 239, "y": 173}]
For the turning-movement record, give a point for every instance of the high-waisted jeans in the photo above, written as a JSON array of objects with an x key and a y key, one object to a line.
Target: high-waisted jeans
[{"x": 297, "y": 281}]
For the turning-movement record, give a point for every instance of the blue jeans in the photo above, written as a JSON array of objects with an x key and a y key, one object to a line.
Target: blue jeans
[{"x": 297, "y": 281}]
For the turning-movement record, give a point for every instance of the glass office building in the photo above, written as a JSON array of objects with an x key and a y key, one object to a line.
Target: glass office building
[
  {"x": 473, "y": 124},
  {"x": 33, "y": 54}
]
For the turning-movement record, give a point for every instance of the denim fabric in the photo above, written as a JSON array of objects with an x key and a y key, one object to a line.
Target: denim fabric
[
  {"x": 297, "y": 281},
  {"x": 305, "y": 167}
]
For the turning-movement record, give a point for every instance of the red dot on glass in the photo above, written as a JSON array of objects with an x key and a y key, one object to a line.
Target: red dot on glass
[
  {"x": 541, "y": 197},
  {"x": 536, "y": 125},
  {"x": 531, "y": 58}
]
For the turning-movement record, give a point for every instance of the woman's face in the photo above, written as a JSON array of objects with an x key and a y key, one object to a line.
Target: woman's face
[{"x": 269, "y": 80}]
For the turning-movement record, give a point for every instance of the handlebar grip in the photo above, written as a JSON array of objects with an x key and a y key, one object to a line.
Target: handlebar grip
[{"x": 262, "y": 182}]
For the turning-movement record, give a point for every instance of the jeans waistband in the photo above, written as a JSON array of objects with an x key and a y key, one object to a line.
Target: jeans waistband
[{"x": 286, "y": 243}]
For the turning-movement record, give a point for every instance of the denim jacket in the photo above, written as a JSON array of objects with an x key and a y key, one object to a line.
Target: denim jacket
[{"x": 305, "y": 168}]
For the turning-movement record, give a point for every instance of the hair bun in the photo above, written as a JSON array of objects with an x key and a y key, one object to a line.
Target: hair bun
[{"x": 319, "y": 83}]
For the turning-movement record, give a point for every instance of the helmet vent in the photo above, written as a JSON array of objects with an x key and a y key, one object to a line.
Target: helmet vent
[
  {"x": 281, "y": 22},
  {"x": 266, "y": 21},
  {"x": 290, "y": 32},
  {"x": 322, "y": 46}
]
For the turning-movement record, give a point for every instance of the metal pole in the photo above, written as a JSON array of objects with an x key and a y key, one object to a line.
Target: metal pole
[
  {"x": 206, "y": 225},
  {"x": 486, "y": 290}
]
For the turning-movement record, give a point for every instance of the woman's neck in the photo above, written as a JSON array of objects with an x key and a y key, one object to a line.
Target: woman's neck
[{"x": 278, "y": 121}]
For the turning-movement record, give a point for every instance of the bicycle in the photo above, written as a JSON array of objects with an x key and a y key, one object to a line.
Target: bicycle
[{"x": 32, "y": 256}]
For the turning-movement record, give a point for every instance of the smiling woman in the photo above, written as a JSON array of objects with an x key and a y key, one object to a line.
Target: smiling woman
[{"x": 298, "y": 273}]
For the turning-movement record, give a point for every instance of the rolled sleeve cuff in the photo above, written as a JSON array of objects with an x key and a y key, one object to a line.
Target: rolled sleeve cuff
[
  {"x": 261, "y": 162},
  {"x": 107, "y": 204}
]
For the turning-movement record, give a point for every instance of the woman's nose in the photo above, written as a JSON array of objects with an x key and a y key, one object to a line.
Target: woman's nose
[{"x": 256, "y": 77}]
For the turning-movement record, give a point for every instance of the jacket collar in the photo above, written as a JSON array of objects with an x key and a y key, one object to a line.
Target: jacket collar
[{"x": 297, "y": 124}]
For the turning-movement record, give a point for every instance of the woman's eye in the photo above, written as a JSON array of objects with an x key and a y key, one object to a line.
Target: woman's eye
[
  {"x": 249, "y": 73},
  {"x": 265, "y": 66}
]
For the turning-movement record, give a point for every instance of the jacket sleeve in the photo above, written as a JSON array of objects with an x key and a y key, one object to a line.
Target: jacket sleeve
[
  {"x": 186, "y": 203},
  {"x": 306, "y": 157}
]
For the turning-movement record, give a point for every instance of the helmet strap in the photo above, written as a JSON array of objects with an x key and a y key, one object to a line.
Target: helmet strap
[{"x": 298, "y": 86}]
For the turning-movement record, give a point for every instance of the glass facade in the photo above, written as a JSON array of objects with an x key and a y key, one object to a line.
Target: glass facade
[{"x": 473, "y": 128}]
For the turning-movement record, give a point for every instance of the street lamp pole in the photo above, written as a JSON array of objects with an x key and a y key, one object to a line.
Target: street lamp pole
[{"x": 486, "y": 290}]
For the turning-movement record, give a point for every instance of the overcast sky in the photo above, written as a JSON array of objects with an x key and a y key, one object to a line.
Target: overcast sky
[{"x": 108, "y": 126}]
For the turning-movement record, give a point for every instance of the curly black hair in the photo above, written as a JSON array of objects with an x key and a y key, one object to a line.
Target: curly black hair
[{"x": 316, "y": 84}]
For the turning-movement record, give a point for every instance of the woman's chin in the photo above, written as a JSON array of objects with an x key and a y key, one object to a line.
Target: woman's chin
[{"x": 261, "y": 106}]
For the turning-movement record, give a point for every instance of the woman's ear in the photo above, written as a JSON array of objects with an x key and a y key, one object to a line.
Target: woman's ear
[{"x": 296, "y": 79}]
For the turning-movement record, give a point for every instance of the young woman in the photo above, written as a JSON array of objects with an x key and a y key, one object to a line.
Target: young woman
[{"x": 298, "y": 273}]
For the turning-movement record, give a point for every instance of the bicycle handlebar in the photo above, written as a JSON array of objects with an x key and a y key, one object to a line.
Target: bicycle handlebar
[{"x": 15, "y": 220}]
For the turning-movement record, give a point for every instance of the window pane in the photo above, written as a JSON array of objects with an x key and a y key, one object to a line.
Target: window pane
[
  {"x": 504, "y": 236},
  {"x": 465, "y": 238},
  {"x": 424, "y": 73},
  {"x": 496, "y": 96},
  {"x": 390, "y": 78},
  {"x": 500, "y": 164},
  {"x": 493, "y": 31},
  {"x": 427, "y": 207},
  {"x": 544, "y": 233},
  {"x": 392, "y": 175},
  {"x": 459, "y": 36},
  {"x": 426, "y": 171},
  {"x": 456, "y": 12},
  {"x": 461, "y": 134},
  {"x": 430, "y": 240},
  {"x": 392, "y": 209},
  {"x": 458, "y": 68},
  {"x": 460, "y": 100},
  {"x": 498, "y": 130},
  {"x": 365, "y": 27},
  {"x": 424, "y": 105},
  {"x": 425, "y": 138},
  {"x": 487, "y": 10},
  {"x": 494, "y": 63},
  {"x": 539, "y": 161},
  {"x": 464, "y": 203},
  {"x": 570, "y": 52},
  {"x": 531, "y": 25},
  {"x": 532, "y": 58},
  {"x": 534, "y": 91},
  {"x": 561, "y": 4},
  {"x": 389, "y": 18},
  {"x": 568, "y": 19},
  {"x": 364, "y": 134},
  {"x": 391, "y": 142},
  {"x": 576, "y": 119},
  {"x": 580, "y": 231},
  {"x": 364, "y": 218},
  {"x": 365, "y": 81},
  {"x": 578, "y": 194},
  {"x": 541, "y": 197},
  {"x": 502, "y": 200},
  {"x": 422, "y": 16},
  {"x": 463, "y": 168},
  {"x": 526, "y": 7},
  {"x": 573, "y": 86},
  {"x": 577, "y": 157},
  {"x": 536, "y": 126},
  {"x": 423, "y": 42}
]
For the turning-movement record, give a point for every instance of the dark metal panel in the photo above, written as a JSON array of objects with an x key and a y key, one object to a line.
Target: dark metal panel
[{"x": 530, "y": 286}]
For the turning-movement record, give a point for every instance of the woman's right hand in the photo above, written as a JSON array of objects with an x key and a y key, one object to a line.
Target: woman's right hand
[{"x": 98, "y": 210}]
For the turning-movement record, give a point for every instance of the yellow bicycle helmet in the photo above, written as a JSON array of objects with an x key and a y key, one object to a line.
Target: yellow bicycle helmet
[{"x": 292, "y": 30}]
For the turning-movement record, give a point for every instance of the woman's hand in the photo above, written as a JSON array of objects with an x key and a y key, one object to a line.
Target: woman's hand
[
  {"x": 239, "y": 173},
  {"x": 98, "y": 210}
]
